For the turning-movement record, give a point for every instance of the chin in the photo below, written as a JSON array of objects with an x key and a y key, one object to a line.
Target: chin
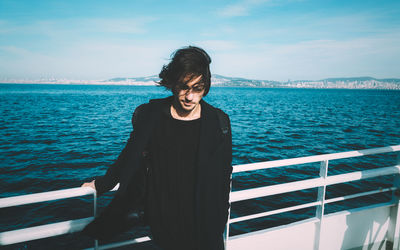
[{"x": 187, "y": 108}]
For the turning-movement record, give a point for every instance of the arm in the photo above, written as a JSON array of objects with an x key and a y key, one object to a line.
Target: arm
[
  {"x": 113, "y": 175},
  {"x": 227, "y": 170}
]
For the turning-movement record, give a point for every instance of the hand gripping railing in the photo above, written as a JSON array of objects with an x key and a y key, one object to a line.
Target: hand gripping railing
[
  {"x": 54, "y": 229},
  {"x": 66, "y": 227},
  {"x": 49, "y": 230}
]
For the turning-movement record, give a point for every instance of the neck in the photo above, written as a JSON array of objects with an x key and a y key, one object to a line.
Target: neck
[{"x": 180, "y": 114}]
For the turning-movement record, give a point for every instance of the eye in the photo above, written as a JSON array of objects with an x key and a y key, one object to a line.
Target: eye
[
  {"x": 198, "y": 88},
  {"x": 183, "y": 87}
]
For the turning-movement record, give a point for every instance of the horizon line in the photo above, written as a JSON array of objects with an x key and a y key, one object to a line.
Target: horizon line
[{"x": 49, "y": 79}]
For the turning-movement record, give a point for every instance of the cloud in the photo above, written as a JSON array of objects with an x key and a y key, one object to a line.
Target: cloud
[
  {"x": 94, "y": 59},
  {"x": 234, "y": 11},
  {"x": 219, "y": 45},
  {"x": 312, "y": 60},
  {"x": 21, "y": 63},
  {"x": 131, "y": 25},
  {"x": 78, "y": 26},
  {"x": 304, "y": 46},
  {"x": 239, "y": 9}
]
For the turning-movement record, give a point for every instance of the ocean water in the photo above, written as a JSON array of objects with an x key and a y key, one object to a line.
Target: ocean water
[{"x": 57, "y": 136}]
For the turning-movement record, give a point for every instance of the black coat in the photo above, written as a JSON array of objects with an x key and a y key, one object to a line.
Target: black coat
[{"x": 214, "y": 167}]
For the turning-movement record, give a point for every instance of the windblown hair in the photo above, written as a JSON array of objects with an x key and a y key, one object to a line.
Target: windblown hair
[{"x": 186, "y": 63}]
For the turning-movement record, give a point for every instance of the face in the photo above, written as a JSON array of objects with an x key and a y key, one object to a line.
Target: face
[{"x": 189, "y": 95}]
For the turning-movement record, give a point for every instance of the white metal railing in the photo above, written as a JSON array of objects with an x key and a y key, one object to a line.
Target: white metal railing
[
  {"x": 311, "y": 183},
  {"x": 320, "y": 183},
  {"x": 60, "y": 228},
  {"x": 46, "y": 196}
]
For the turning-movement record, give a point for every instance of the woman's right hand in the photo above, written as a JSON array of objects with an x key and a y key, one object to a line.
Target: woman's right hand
[{"x": 89, "y": 184}]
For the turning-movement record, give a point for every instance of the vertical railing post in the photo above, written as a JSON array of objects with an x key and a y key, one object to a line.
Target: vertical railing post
[
  {"x": 96, "y": 242},
  {"x": 323, "y": 173},
  {"x": 395, "y": 212},
  {"x": 226, "y": 233}
]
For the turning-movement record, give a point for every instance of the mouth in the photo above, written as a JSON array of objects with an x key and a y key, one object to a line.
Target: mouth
[{"x": 187, "y": 103}]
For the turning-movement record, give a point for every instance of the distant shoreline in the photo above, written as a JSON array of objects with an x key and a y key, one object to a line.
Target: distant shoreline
[
  {"x": 364, "y": 82},
  {"x": 213, "y": 85}
]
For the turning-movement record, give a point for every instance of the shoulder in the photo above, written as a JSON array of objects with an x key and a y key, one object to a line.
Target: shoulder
[
  {"x": 147, "y": 109},
  {"x": 217, "y": 114},
  {"x": 161, "y": 101},
  {"x": 209, "y": 109},
  {"x": 155, "y": 103}
]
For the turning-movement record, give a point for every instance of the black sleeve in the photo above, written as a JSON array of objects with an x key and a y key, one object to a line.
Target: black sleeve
[
  {"x": 113, "y": 175},
  {"x": 227, "y": 170}
]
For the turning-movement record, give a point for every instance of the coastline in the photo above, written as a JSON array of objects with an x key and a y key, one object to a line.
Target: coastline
[
  {"x": 224, "y": 81},
  {"x": 214, "y": 85}
]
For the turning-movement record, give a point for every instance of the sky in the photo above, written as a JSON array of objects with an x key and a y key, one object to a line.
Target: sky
[{"x": 255, "y": 39}]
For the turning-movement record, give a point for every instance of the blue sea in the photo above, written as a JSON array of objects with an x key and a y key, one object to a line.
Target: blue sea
[{"x": 58, "y": 136}]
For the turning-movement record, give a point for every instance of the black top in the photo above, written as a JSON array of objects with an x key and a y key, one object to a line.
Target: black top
[
  {"x": 172, "y": 181},
  {"x": 213, "y": 169}
]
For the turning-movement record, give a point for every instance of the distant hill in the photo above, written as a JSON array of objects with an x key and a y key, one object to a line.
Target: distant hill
[
  {"x": 364, "y": 82},
  {"x": 334, "y": 83},
  {"x": 149, "y": 80},
  {"x": 219, "y": 80},
  {"x": 362, "y": 78}
]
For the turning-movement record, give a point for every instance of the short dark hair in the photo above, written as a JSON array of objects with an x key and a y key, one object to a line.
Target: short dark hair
[{"x": 186, "y": 62}]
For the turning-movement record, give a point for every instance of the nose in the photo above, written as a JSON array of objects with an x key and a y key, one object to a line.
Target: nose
[{"x": 189, "y": 95}]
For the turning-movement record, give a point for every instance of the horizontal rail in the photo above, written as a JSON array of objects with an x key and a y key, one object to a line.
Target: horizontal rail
[
  {"x": 121, "y": 244},
  {"x": 275, "y": 189},
  {"x": 276, "y": 211},
  {"x": 311, "y": 183},
  {"x": 116, "y": 187},
  {"x": 44, "y": 231},
  {"x": 45, "y": 196},
  {"x": 353, "y": 196},
  {"x": 307, "y": 205},
  {"x": 56, "y": 229},
  {"x": 362, "y": 175},
  {"x": 49, "y": 230},
  {"x": 314, "y": 158}
]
